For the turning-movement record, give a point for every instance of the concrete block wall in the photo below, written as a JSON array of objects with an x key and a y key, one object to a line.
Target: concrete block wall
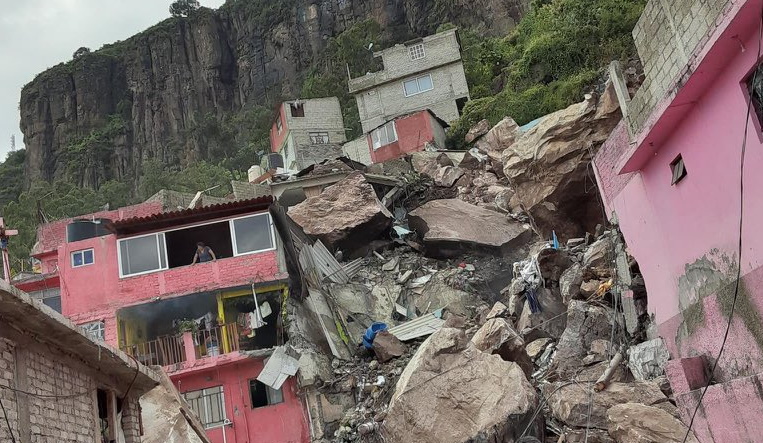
[
  {"x": 35, "y": 419},
  {"x": 666, "y": 36},
  {"x": 321, "y": 115},
  {"x": 438, "y": 49},
  {"x": 358, "y": 150}
]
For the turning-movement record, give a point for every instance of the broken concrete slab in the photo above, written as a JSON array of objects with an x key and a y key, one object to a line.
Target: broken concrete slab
[
  {"x": 639, "y": 423},
  {"x": 648, "y": 360},
  {"x": 570, "y": 402},
  {"x": 451, "y": 227},
  {"x": 387, "y": 347},
  {"x": 586, "y": 322},
  {"x": 451, "y": 392},
  {"x": 498, "y": 337},
  {"x": 345, "y": 216}
]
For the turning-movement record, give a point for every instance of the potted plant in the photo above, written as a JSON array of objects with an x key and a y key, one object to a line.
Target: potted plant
[{"x": 187, "y": 325}]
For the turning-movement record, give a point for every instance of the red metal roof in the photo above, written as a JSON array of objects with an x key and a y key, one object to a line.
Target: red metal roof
[{"x": 185, "y": 216}]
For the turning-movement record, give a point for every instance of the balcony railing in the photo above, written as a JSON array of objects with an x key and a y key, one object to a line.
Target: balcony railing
[
  {"x": 164, "y": 351},
  {"x": 173, "y": 349}
]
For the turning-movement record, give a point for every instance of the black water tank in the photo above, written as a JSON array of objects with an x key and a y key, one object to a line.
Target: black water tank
[{"x": 83, "y": 229}]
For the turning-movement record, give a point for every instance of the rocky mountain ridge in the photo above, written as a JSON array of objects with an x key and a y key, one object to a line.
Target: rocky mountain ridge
[{"x": 101, "y": 115}]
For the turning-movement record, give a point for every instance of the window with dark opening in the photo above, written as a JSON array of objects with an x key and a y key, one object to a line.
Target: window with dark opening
[
  {"x": 297, "y": 110},
  {"x": 755, "y": 88},
  {"x": 679, "y": 170},
  {"x": 181, "y": 244},
  {"x": 109, "y": 405},
  {"x": 263, "y": 395}
]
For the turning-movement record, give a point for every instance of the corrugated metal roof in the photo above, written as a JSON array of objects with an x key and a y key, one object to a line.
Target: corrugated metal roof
[
  {"x": 173, "y": 218},
  {"x": 424, "y": 325}
]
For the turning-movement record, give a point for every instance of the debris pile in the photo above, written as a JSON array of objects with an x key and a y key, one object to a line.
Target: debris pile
[{"x": 489, "y": 302}]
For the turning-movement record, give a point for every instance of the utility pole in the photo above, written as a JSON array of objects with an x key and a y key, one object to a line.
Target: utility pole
[{"x": 5, "y": 233}]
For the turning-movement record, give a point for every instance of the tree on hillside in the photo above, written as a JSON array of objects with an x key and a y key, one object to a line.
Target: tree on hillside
[
  {"x": 80, "y": 52},
  {"x": 183, "y": 8}
]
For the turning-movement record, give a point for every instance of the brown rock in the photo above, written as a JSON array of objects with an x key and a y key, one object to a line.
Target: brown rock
[
  {"x": 592, "y": 372},
  {"x": 451, "y": 392},
  {"x": 547, "y": 166},
  {"x": 345, "y": 215},
  {"x": 498, "y": 337},
  {"x": 639, "y": 423},
  {"x": 500, "y": 137},
  {"x": 588, "y": 288},
  {"x": 536, "y": 347},
  {"x": 571, "y": 402},
  {"x": 550, "y": 322},
  {"x": 552, "y": 263},
  {"x": 499, "y": 310},
  {"x": 585, "y": 323},
  {"x": 594, "y": 436},
  {"x": 447, "y": 176},
  {"x": 450, "y": 227},
  {"x": 600, "y": 254},
  {"x": 477, "y": 131},
  {"x": 387, "y": 347}
]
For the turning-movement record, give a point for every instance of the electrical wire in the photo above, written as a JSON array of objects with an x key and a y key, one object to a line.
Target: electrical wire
[
  {"x": 741, "y": 226},
  {"x": 7, "y": 422}
]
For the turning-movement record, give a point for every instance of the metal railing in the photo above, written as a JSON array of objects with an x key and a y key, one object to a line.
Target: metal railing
[
  {"x": 220, "y": 340},
  {"x": 164, "y": 351}
]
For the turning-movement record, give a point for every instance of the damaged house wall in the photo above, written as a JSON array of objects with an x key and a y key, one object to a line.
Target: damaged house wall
[{"x": 685, "y": 235}]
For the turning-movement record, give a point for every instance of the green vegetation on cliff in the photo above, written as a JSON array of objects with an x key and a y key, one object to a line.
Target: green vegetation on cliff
[{"x": 558, "y": 50}]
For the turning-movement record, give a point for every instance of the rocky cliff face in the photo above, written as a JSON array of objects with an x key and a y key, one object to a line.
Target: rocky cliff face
[{"x": 99, "y": 116}]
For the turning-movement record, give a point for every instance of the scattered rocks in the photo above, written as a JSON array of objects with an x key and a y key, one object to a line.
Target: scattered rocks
[{"x": 585, "y": 323}]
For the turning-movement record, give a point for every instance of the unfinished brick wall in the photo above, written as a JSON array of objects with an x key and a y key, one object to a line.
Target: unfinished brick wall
[
  {"x": 63, "y": 419},
  {"x": 607, "y": 161},
  {"x": 667, "y": 36}
]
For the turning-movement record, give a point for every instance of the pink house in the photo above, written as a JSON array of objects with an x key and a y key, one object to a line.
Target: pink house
[
  {"x": 670, "y": 175},
  {"x": 126, "y": 277},
  {"x": 406, "y": 134}
]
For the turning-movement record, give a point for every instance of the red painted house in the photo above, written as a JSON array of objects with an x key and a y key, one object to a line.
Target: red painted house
[
  {"x": 126, "y": 277},
  {"x": 406, "y": 134}
]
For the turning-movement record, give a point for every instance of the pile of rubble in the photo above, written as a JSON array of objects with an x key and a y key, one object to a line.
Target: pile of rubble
[{"x": 446, "y": 309}]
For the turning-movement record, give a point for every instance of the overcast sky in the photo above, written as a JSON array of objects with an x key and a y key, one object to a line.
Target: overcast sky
[{"x": 38, "y": 34}]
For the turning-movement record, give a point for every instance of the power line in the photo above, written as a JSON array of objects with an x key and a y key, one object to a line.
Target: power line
[{"x": 741, "y": 225}]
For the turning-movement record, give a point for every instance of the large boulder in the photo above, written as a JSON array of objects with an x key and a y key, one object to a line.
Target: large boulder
[
  {"x": 450, "y": 227},
  {"x": 499, "y": 138},
  {"x": 451, "y": 392},
  {"x": 548, "y": 166},
  {"x": 498, "y": 337},
  {"x": 477, "y": 131},
  {"x": 639, "y": 423},
  {"x": 571, "y": 402},
  {"x": 585, "y": 323},
  {"x": 345, "y": 216}
]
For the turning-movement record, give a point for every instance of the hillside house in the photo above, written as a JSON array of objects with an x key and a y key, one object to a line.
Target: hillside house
[
  {"x": 58, "y": 384},
  {"x": 426, "y": 73},
  {"x": 126, "y": 277},
  {"x": 670, "y": 175},
  {"x": 306, "y": 132},
  {"x": 406, "y": 134}
]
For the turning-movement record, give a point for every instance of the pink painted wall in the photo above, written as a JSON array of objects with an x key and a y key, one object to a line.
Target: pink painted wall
[
  {"x": 671, "y": 228},
  {"x": 281, "y": 423},
  {"x": 276, "y": 139},
  {"x": 413, "y": 132}
]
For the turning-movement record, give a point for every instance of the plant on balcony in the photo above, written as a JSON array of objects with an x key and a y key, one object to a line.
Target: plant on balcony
[{"x": 187, "y": 325}]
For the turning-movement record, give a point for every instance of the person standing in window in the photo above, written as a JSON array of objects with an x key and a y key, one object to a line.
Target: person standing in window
[{"x": 203, "y": 254}]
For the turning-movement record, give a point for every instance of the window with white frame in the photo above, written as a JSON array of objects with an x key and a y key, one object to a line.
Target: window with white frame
[
  {"x": 252, "y": 234},
  {"x": 140, "y": 255},
  {"x": 418, "y": 85},
  {"x": 416, "y": 51},
  {"x": 95, "y": 330},
  {"x": 384, "y": 135},
  {"x": 319, "y": 138},
  {"x": 82, "y": 258},
  {"x": 208, "y": 404}
]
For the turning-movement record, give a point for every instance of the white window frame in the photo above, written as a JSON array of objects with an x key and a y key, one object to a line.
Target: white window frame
[
  {"x": 416, "y": 52},
  {"x": 82, "y": 252},
  {"x": 158, "y": 249},
  {"x": 377, "y": 142},
  {"x": 207, "y": 408},
  {"x": 95, "y": 329},
  {"x": 236, "y": 253},
  {"x": 324, "y": 136},
  {"x": 418, "y": 85}
]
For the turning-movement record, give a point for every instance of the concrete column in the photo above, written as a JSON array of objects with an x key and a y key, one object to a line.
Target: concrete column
[
  {"x": 22, "y": 400},
  {"x": 190, "y": 348}
]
